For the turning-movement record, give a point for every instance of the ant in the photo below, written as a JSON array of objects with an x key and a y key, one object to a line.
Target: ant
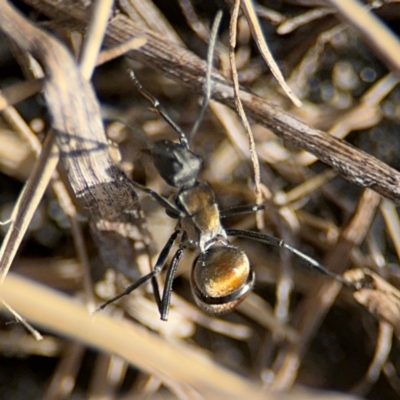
[{"x": 221, "y": 275}]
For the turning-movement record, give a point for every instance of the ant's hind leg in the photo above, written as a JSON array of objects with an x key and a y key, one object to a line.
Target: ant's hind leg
[
  {"x": 273, "y": 241},
  {"x": 241, "y": 210}
]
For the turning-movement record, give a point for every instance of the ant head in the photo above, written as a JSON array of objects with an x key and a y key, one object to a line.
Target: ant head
[
  {"x": 176, "y": 163},
  {"x": 221, "y": 278}
]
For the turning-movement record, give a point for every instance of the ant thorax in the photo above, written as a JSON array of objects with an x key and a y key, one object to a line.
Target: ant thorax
[{"x": 201, "y": 218}]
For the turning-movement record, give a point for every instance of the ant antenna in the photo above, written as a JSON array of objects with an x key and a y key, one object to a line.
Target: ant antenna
[
  {"x": 160, "y": 109},
  {"x": 207, "y": 81},
  {"x": 207, "y": 88}
]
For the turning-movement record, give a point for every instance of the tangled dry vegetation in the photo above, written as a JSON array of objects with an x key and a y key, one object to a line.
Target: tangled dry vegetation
[{"x": 69, "y": 242}]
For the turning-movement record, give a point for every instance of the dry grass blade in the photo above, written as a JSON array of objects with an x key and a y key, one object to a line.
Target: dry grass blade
[
  {"x": 135, "y": 345},
  {"x": 35, "y": 333},
  {"x": 248, "y": 9},
  {"x": 292, "y": 24},
  {"x": 391, "y": 217},
  {"x": 95, "y": 36},
  {"x": 60, "y": 387},
  {"x": 147, "y": 14},
  {"x": 304, "y": 189},
  {"x": 171, "y": 361},
  {"x": 382, "y": 352},
  {"x": 19, "y": 92},
  {"x": 27, "y": 204},
  {"x": 119, "y": 50},
  {"x": 23, "y": 212},
  {"x": 239, "y": 106}
]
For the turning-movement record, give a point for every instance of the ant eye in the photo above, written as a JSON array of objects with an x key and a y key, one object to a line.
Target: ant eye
[{"x": 221, "y": 277}]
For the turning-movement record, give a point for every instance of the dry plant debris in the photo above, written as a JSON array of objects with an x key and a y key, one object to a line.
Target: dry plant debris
[{"x": 328, "y": 172}]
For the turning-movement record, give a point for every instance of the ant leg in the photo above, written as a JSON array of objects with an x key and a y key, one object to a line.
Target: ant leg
[
  {"x": 273, "y": 241},
  {"x": 170, "y": 207},
  {"x": 241, "y": 210},
  {"x": 166, "y": 298},
  {"x": 160, "y": 109},
  {"x": 150, "y": 276}
]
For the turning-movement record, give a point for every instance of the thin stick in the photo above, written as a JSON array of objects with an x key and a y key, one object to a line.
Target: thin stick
[
  {"x": 95, "y": 36},
  {"x": 27, "y": 204},
  {"x": 207, "y": 81},
  {"x": 254, "y": 24},
  {"x": 239, "y": 106},
  {"x": 35, "y": 333}
]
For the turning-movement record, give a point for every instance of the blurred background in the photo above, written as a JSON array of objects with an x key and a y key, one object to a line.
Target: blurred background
[{"x": 346, "y": 91}]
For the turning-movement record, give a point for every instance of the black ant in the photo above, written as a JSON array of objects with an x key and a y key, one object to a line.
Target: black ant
[{"x": 221, "y": 275}]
